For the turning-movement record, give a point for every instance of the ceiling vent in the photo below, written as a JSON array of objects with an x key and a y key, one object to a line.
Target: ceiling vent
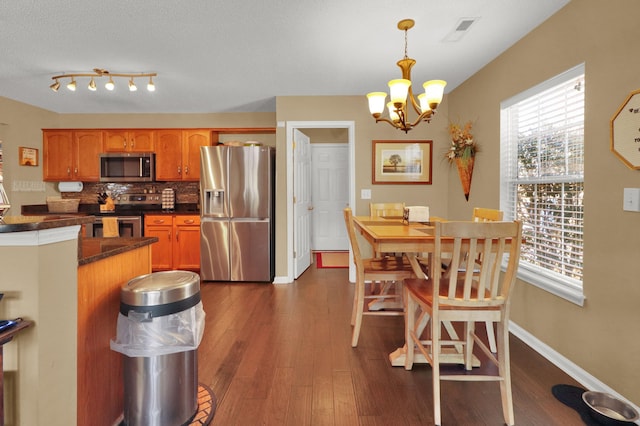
[{"x": 461, "y": 29}]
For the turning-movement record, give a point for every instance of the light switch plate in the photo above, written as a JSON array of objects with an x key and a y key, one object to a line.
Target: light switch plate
[
  {"x": 631, "y": 199},
  {"x": 365, "y": 194}
]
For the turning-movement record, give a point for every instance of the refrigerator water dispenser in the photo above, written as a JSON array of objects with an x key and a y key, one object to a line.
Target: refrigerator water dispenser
[{"x": 213, "y": 202}]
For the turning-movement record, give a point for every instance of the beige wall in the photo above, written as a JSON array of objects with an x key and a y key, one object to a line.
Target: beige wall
[{"x": 603, "y": 337}]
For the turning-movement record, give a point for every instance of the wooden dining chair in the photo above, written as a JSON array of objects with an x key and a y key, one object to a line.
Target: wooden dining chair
[
  {"x": 473, "y": 292},
  {"x": 386, "y": 209},
  {"x": 372, "y": 271},
  {"x": 481, "y": 214}
]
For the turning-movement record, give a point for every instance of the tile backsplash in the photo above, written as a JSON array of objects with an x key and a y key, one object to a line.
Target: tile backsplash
[{"x": 186, "y": 192}]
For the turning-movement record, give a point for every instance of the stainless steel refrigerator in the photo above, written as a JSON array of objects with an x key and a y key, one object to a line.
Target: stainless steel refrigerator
[{"x": 237, "y": 206}]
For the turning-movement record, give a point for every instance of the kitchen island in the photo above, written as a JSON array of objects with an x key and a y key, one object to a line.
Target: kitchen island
[{"x": 61, "y": 371}]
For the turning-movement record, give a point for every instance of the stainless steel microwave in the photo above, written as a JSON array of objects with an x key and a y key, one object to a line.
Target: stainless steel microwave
[{"x": 127, "y": 167}]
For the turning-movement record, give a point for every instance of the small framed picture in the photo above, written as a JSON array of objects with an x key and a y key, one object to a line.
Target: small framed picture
[
  {"x": 27, "y": 156},
  {"x": 402, "y": 162}
]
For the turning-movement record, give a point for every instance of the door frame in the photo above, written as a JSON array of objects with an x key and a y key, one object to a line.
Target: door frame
[{"x": 290, "y": 125}]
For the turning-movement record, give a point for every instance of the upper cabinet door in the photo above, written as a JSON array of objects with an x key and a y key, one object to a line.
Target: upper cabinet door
[
  {"x": 141, "y": 140},
  {"x": 128, "y": 140},
  {"x": 57, "y": 155},
  {"x": 168, "y": 154},
  {"x": 87, "y": 147},
  {"x": 193, "y": 140}
]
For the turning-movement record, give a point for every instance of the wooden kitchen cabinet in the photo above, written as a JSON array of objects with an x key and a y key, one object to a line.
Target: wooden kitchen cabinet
[
  {"x": 178, "y": 245},
  {"x": 186, "y": 254},
  {"x": 129, "y": 140},
  {"x": 178, "y": 153},
  {"x": 71, "y": 155}
]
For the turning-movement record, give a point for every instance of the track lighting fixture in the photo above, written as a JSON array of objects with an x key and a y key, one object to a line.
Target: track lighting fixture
[{"x": 98, "y": 72}]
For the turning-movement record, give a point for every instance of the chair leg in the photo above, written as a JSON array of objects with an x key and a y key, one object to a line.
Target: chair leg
[
  {"x": 504, "y": 369},
  {"x": 354, "y": 309},
  {"x": 435, "y": 366},
  {"x": 491, "y": 337},
  {"x": 469, "y": 331},
  {"x": 358, "y": 307},
  {"x": 409, "y": 327}
]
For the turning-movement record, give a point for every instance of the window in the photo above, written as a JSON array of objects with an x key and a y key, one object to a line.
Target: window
[{"x": 542, "y": 180}]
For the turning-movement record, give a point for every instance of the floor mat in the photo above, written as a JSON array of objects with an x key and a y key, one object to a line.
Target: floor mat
[
  {"x": 571, "y": 396},
  {"x": 332, "y": 259}
]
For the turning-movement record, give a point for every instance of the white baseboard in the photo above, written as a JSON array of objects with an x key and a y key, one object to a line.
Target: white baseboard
[
  {"x": 581, "y": 376},
  {"x": 282, "y": 280}
]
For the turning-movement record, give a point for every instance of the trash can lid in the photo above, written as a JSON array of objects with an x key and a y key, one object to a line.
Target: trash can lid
[{"x": 160, "y": 288}]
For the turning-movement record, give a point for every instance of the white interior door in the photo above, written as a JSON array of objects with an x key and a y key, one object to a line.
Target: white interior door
[
  {"x": 302, "y": 207},
  {"x": 330, "y": 195}
]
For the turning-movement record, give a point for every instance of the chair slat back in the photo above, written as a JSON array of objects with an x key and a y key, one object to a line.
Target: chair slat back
[
  {"x": 386, "y": 209},
  {"x": 470, "y": 283},
  {"x": 481, "y": 214}
]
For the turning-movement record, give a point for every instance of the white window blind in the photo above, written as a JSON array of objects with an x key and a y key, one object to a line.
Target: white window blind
[{"x": 542, "y": 180}]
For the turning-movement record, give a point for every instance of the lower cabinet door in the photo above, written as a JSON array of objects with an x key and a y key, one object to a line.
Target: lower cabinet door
[{"x": 162, "y": 251}]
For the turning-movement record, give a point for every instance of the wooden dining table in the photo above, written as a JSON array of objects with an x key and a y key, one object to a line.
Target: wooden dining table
[{"x": 393, "y": 235}]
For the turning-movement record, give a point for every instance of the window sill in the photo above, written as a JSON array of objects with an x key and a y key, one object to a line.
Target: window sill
[{"x": 566, "y": 290}]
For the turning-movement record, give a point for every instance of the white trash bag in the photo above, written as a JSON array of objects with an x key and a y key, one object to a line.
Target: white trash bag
[{"x": 137, "y": 336}]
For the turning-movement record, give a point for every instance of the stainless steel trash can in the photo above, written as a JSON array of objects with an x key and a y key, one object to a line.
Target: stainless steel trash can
[{"x": 160, "y": 390}]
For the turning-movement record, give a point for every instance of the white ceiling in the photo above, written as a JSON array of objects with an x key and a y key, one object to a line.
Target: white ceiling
[{"x": 238, "y": 55}]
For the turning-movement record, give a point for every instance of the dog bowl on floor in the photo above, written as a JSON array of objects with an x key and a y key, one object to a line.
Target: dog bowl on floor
[{"x": 609, "y": 410}]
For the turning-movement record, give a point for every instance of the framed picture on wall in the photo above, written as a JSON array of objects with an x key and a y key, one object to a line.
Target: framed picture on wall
[
  {"x": 27, "y": 156},
  {"x": 402, "y": 162}
]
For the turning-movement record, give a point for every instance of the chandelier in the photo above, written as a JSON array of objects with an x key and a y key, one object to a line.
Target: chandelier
[
  {"x": 401, "y": 94},
  {"x": 99, "y": 73}
]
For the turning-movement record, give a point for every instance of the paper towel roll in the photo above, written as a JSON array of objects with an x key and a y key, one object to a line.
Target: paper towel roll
[{"x": 70, "y": 186}]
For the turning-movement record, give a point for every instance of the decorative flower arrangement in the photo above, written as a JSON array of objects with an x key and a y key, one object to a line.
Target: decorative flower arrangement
[
  {"x": 462, "y": 143},
  {"x": 462, "y": 152}
]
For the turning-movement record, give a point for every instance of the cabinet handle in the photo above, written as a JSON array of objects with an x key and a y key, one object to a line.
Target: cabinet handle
[
  {"x": 158, "y": 221},
  {"x": 177, "y": 235},
  {"x": 179, "y": 169},
  {"x": 124, "y": 142},
  {"x": 75, "y": 171},
  {"x": 186, "y": 170},
  {"x": 133, "y": 142},
  {"x": 169, "y": 235},
  {"x": 68, "y": 171},
  {"x": 189, "y": 221}
]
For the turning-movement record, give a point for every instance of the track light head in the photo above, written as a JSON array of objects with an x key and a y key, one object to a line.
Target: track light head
[
  {"x": 72, "y": 85},
  {"x": 92, "y": 85},
  {"x": 110, "y": 85},
  {"x": 150, "y": 86},
  {"x": 55, "y": 86},
  {"x": 132, "y": 85}
]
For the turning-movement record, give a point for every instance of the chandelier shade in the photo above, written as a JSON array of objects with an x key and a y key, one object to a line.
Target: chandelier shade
[
  {"x": 401, "y": 94},
  {"x": 98, "y": 73}
]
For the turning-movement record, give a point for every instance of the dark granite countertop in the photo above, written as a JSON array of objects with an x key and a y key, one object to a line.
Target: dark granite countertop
[
  {"x": 37, "y": 223},
  {"x": 94, "y": 249},
  {"x": 94, "y": 209}
]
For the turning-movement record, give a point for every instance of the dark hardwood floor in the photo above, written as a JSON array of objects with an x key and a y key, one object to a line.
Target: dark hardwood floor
[{"x": 281, "y": 355}]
